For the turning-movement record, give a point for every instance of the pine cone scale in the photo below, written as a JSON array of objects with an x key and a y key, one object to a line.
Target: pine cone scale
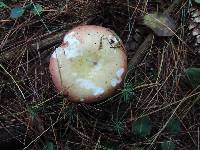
[{"x": 194, "y": 28}]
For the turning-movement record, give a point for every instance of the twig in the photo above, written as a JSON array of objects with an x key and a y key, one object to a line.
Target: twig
[
  {"x": 39, "y": 43},
  {"x": 141, "y": 50}
]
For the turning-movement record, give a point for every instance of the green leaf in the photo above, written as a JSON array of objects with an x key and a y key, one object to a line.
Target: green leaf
[
  {"x": 168, "y": 145},
  {"x": 48, "y": 146},
  {"x": 162, "y": 25},
  {"x": 193, "y": 75},
  {"x": 3, "y": 5},
  {"x": 16, "y": 12},
  {"x": 142, "y": 127},
  {"x": 37, "y": 9},
  {"x": 174, "y": 125},
  {"x": 196, "y": 1}
]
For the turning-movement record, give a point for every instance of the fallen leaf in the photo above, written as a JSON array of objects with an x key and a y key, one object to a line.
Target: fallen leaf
[{"x": 160, "y": 24}]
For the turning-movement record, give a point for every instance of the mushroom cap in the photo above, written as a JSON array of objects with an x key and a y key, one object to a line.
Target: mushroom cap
[{"x": 89, "y": 65}]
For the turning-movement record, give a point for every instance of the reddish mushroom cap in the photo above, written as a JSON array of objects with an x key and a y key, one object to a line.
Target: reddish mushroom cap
[{"x": 89, "y": 65}]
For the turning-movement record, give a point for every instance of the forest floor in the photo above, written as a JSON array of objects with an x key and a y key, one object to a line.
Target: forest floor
[{"x": 155, "y": 108}]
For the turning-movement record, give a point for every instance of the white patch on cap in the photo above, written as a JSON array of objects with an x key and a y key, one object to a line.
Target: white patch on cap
[
  {"x": 82, "y": 99},
  {"x": 57, "y": 52},
  {"x": 71, "y": 49},
  {"x": 119, "y": 73},
  {"x": 88, "y": 84},
  {"x": 115, "y": 81}
]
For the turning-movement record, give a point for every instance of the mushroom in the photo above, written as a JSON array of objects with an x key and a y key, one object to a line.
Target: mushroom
[{"x": 89, "y": 65}]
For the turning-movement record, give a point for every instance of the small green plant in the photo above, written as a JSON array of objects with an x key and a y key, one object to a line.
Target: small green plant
[
  {"x": 168, "y": 145},
  {"x": 3, "y": 5},
  {"x": 118, "y": 126},
  {"x": 69, "y": 112},
  {"x": 18, "y": 11},
  {"x": 36, "y": 9},
  {"x": 174, "y": 125},
  {"x": 142, "y": 127},
  {"x": 128, "y": 92}
]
